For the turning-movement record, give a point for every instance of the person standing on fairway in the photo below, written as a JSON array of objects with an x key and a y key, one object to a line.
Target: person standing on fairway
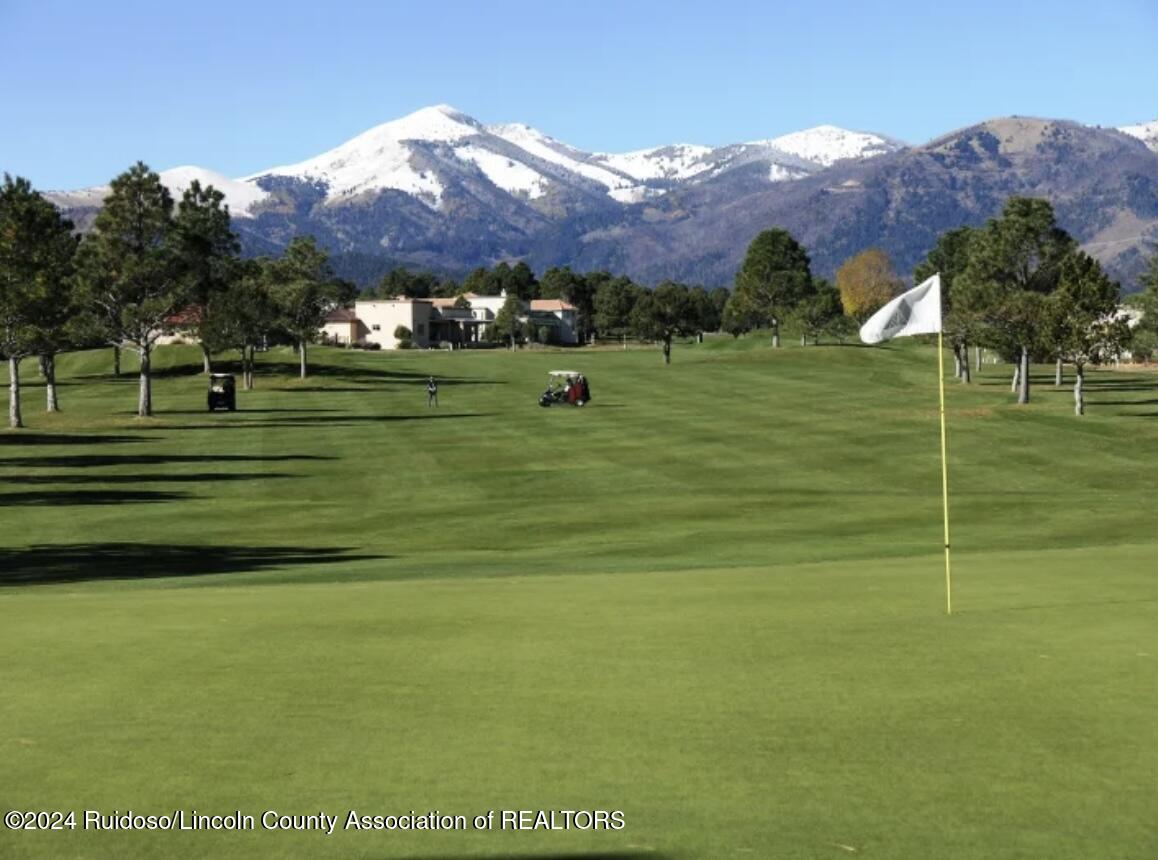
[{"x": 432, "y": 392}]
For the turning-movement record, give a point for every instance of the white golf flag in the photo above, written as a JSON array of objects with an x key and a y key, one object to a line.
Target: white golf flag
[{"x": 917, "y": 311}]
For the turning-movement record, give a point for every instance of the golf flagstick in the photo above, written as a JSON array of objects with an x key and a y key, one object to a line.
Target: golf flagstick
[
  {"x": 918, "y": 311},
  {"x": 944, "y": 475}
]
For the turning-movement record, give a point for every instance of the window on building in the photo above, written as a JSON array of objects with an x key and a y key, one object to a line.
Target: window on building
[{"x": 376, "y": 327}]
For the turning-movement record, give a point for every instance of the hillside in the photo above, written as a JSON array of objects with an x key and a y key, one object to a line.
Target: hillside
[{"x": 1103, "y": 184}]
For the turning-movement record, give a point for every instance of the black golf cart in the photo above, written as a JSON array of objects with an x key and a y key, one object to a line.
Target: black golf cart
[{"x": 222, "y": 392}]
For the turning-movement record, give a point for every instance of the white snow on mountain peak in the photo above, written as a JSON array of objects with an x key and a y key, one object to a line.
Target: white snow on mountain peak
[
  {"x": 383, "y": 157},
  {"x": 1146, "y": 132},
  {"x": 239, "y": 195},
  {"x": 677, "y": 161},
  {"x": 506, "y": 173},
  {"x": 534, "y": 142},
  {"x": 424, "y": 152},
  {"x": 827, "y": 144}
]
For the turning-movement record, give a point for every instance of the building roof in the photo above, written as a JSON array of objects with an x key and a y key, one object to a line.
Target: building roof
[
  {"x": 341, "y": 315},
  {"x": 550, "y": 305},
  {"x": 190, "y": 315}
]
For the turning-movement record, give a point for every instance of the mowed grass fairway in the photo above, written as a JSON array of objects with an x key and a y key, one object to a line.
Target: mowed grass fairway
[{"x": 713, "y": 599}]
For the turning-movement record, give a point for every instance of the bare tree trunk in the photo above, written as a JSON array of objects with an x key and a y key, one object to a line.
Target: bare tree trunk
[
  {"x": 965, "y": 377},
  {"x": 40, "y": 366},
  {"x": 245, "y": 367},
  {"x": 667, "y": 350},
  {"x": 775, "y": 333},
  {"x": 15, "y": 419},
  {"x": 625, "y": 341},
  {"x": 956, "y": 361},
  {"x": 206, "y": 360},
  {"x": 145, "y": 393},
  {"x": 302, "y": 356},
  {"x": 1023, "y": 382},
  {"x": 803, "y": 342},
  {"x": 116, "y": 361},
  {"x": 1016, "y": 377},
  {"x": 1057, "y": 375},
  {"x": 1079, "y": 399},
  {"x": 977, "y": 353},
  {"x": 48, "y": 362}
]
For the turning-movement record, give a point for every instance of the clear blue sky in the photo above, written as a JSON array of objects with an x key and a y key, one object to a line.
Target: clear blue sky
[{"x": 88, "y": 88}]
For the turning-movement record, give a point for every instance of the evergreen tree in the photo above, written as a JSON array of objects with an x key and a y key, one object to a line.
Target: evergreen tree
[
  {"x": 1013, "y": 263},
  {"x": 737, "y": 318},
  {"x": 506, "y": 326},
  {"x": 1083, "y": 318},
  {"x": 1146, "y": 333},
  {"x": 129, "y": 276},
  {"x": 242, "y": 316},
  {"x": 773, "y": 279},
  {"x": 817, "y": 313},
  {"x": 305, "y": 290},
  {"x": 613, "y": 302},
  {"x": 402, "y": 283},
  {"x": 949, "y": 257},
  {"x": 37, "y": 247},
  {"x": 703, "y": 312},
  {"x": 207, "y": 248},
  {"x": 662, "y": 314}
]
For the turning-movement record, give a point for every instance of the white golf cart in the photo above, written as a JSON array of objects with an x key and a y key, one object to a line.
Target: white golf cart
[{"x": 566, "y": 388}]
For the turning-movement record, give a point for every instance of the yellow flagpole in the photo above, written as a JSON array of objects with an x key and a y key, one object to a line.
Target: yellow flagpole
[{"x": 944, "y": 476}]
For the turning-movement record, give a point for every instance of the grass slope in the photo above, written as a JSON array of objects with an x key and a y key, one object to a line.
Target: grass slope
[{"x": 712, "y": 600}]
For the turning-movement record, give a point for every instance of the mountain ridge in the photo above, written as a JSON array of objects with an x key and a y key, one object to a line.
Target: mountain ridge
[{"x": 440, "y": 189}]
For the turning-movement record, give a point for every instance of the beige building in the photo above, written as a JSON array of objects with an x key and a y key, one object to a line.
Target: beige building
[{"x": 436, "y": 321}]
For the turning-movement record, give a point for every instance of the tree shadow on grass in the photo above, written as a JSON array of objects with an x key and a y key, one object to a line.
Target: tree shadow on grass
[
  {"x": 289, "y": 410},
  {"x": 84, "y": 461},
  {"x": 64, "y": 498},
  {"x": 182, "y": 478},
  {"x": 18, "y": 438},
  {"x": 336, "y": 421},
  {"x": 87, "y": 562},
  {"x": 1149, "y": 402},
  {"x": 368, "y": 374}
]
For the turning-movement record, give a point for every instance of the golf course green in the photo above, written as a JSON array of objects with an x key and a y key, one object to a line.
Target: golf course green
[{"x": 712, "y": 601}]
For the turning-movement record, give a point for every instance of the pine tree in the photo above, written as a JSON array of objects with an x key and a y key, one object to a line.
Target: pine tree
[
  {"x": 304, "y": 288},
  {"x": 37, "y": 247},
  {"x": 1083, "y": 320},
  {"x": 1013, "y": 263},
  {"x": 773, "y": 279},
  {"x": 662, "y": 314},
  {"x": 207, "y": 249},
  {"x": 129, "y": 275}
]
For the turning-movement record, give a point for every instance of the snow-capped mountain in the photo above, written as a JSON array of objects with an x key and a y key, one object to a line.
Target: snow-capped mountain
[
  {"x": 826, "y": 144},
  {"x": 437, "y": 154},
  {"x": 438, "y": 189},
  {"x": 406, "y": 155},
  {"x": 1146, "y": 132}
]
